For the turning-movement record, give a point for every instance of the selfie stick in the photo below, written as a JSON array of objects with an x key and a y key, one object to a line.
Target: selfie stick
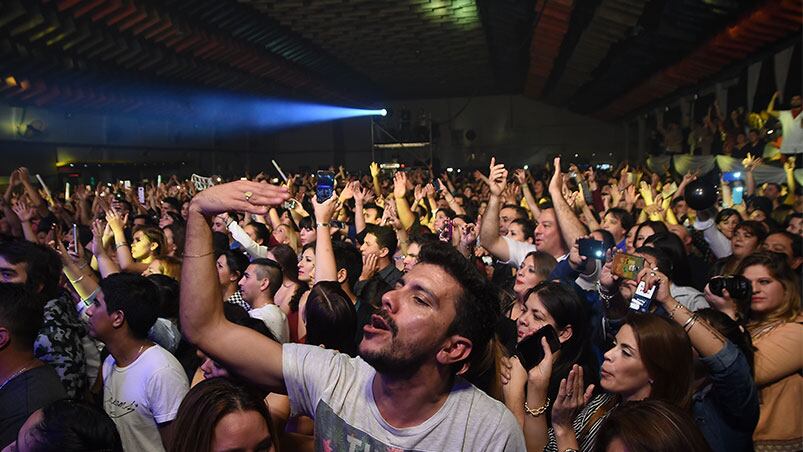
[{"x": 276, "y": 165}]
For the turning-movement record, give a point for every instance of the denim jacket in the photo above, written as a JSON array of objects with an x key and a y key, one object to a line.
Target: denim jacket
[{"x": 726, "y": 408}]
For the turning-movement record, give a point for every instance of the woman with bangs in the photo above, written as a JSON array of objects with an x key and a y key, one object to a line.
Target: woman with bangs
[{"x": 746, "y": 239}]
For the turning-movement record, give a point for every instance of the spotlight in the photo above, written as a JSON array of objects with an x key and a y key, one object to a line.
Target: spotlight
[{"x": 383, "y": 112}]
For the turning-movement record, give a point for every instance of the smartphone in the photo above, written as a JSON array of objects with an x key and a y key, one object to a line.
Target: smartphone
[
  {"x": 290, "y": 204},
  {"x": 127, "y": 184},
  {"x": 737, "y": 194},
  {"x": 487, "y": 260},
  {"x": 642, "y": 299},
  {"x": 436, "y": 184},
  {"x": 732, "y": 176},
  {"x": 75, "y": 238},
  {"x": 530, "y": 351},
  {"x": 141, "y": 195},
  {"x": 627, "y": 266},
  {"x": 338, "y": 224},
  {"x": 325, "y": 185},
  {"x": 593, "y": 249}
]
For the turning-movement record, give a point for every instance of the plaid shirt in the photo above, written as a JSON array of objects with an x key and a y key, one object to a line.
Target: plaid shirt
[{"x": 237, "y": 298}]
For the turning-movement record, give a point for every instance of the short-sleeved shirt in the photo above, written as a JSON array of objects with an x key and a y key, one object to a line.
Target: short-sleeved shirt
[
  {"x": 336, "y": 390},
  {"x": 143, "y": 395}
]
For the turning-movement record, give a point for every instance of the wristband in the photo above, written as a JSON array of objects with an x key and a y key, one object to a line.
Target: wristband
[{"x": 325, "y": 225}]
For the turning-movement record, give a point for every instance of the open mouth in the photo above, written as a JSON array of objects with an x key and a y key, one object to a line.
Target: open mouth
[{"x": 379, "y": 323}]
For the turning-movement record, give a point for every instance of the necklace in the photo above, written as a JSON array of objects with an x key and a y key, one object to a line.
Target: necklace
[
  {"x": 288, "y": 284},
  {"x": 15, "y": 375}
]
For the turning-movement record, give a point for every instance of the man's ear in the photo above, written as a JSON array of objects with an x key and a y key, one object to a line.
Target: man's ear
[
  {"x": 455, "y": 348},
  {"x": 264, "y": 285},
  {"x": 118, "y": 318},
  {"x": 383, "y": 252},
  {"x": 342, "y": 275}
]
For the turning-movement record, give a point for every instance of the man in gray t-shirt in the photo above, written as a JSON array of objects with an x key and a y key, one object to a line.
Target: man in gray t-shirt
[{"x": 404, "y": 392}]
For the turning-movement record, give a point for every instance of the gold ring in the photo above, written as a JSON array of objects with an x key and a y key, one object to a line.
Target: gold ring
[
  {"x": 652, "y": 273},
  {"x": 248, "y": 195}
]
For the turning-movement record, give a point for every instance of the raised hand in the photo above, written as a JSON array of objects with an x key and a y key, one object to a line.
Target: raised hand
[
  {"x": 116, "y": 222},
  {"x": 374, "y": 167},
  {"x": 521, "y": 176},
  {"x": 24, "y": 212},
  {"x": 419, "y": 193},
  {"x": 400, "y": 184},
  {"x": 324, "y": 211},
  {"x": 571, "y": 398},
  {"x": 750, "y": 163},
  {"x": 241, "y": 196},
  {"x": 556, "y": 182},
  {"x": 497, "y": 178}
]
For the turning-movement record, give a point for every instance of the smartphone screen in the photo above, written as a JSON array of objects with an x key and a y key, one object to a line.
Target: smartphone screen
[
  {"x": 141, "y": 194},
  {"x": 642, "y": 298},
  {"x": 530, "y": 351},
  {"x": 627, "y": 265},
  {"x": 594, "y": 249},
  {"x": 325, "y": 185}
]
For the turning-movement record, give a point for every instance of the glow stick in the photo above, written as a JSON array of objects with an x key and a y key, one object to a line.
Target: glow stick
[{"x": 276, "y": 165}]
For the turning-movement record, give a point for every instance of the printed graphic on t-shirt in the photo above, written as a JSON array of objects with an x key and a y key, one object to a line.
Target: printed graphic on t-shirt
[
  {"x": 333, "y": 434},
  {"x": 119, "y": 408}
]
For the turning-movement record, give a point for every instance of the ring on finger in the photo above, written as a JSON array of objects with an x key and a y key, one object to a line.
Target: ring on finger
[
  {"x": 248, "y": 195},
  {"x": 652, "y": 273}
]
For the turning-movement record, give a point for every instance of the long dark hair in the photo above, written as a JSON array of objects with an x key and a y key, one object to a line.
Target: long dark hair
[
  {"x": 666, "y": 352},
  {"x": 287, "y": 260},
  {"x": 331, "y": 318},
  {"x": 206, "y": 404},
  {"x": 566, "y": 308}
]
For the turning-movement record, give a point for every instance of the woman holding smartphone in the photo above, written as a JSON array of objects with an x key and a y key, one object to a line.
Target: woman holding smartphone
[
  {"x": 651, "y": 359},
  {"x": 555, "y": 307}
]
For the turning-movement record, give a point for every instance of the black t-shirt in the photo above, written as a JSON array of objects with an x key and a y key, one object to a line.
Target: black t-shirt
[{"x": 24, "y": 394}]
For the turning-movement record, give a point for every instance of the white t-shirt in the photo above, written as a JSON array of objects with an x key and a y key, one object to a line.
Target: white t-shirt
[
  {"x": 335, "y": 390},
  {"x": 143, "y": 394},
  {"x": 275, "y": 319},
  {"x": 792, "y": 132}
]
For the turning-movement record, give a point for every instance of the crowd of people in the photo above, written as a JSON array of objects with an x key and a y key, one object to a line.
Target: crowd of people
[{"x": 564, "y": 308}]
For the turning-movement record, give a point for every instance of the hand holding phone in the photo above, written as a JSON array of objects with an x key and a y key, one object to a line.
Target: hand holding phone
[
  {"x": 325, "y": 185},
  {"x": 530, "y": 351},
  {"x": 592, "y": 249},
  {"x": 626, "y": 265}
]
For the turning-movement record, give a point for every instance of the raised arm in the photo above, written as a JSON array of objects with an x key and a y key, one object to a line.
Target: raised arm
[
  {"x": 532, "y": 203},
  {"x": 246, "y": 352},
  {"x": 123, "y": 248},
  {"x": 325, "y": 265},
  {"x": 360, "y": 195},
  {"x": 33, "y": 194},
  {"x": 771, "y": 106},
  {"x": 375, "y": 179},
  {"x": 489, "y": 230},
  {"x": 570, "y": 226},
  {"x": 402, "y": 206},
  {"x": 25, "y": 214}
]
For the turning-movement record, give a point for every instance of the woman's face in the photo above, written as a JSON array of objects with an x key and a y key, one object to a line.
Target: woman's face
[
  {"x": 623, "y": 372},
  {"x": 630, "y": 239},
  {"x": 308, "y": 236},
  {"x": 242, "y": 430},
  {"x": 306, "y": 266},
  {"x": 768, "y": 292},
  {"x": 743, "y": 242},
  {"x": 533, "y": 317},
  {"x": 526, "y": 277},
  {"x": 171, "y": 245},
  {"x": 727, "y": 225},
  {"x": 185, "y": 210},
  {"x": 165, "y": 219},
  {"x": 141, "y": 248},
  {"x": 643, "y": 234}
]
